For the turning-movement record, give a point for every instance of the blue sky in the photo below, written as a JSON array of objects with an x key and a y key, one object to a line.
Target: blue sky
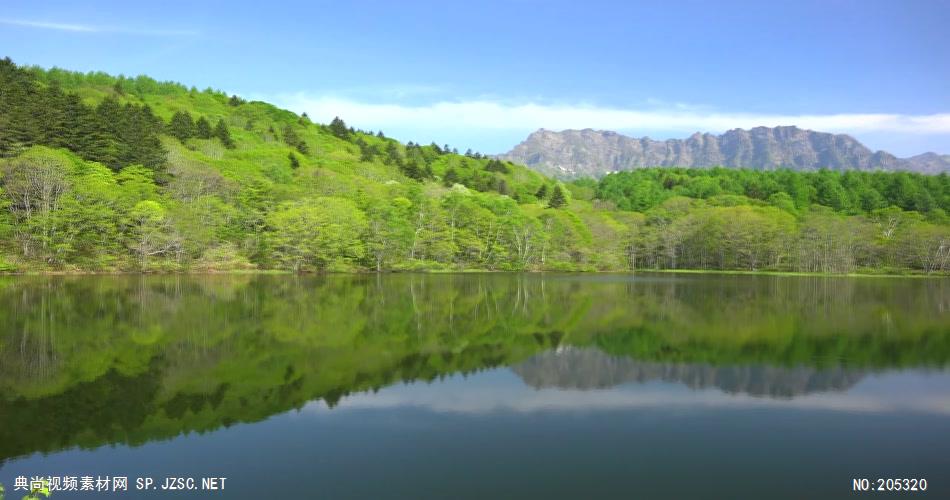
[{"x": 485, "y": 74}]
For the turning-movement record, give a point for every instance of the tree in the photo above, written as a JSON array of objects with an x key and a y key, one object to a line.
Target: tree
[
  {"x": 317, "y": 234},
  {"x": 223, "y": 134},
  {"x": 542, "y": 192},
  {"x": 497, "y": 166},
  {"x": 35, "y": 183},
  {"x": 558, "y": 199},
  {"x": 148, "y": 227},
  {"x": 366, "y": 151},
  {"x": 392, "y": 154},
  {"x": 451, "y": 177},
  {"x": 412, "y": 170},
  {"x": 338, "y": 128},
  {"x": 388, "y": 230},
  {"x": 502, "y": 187},
  {"x": 203, "y": 128},
  {"x": 294, "y": 162},
  {"x": 181, "y": 126},
  {"x": 293, "y": 140}
]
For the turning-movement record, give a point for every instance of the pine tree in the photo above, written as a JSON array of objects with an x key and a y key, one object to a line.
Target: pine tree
[
  {"x": 392, "y": 154},
  {"x": 412, "y": 171},
  {"x": 202, "y": 128},
  {"x": 293, "y": 140},
  {"x": 294, "y": 162},
  {"x": 558, "y": 199},
  {"x": 181, "y": 127},
  {"x": 451, "y": 177},
  {"x": 338, "y": 128},
  {"x": 221, "y": 132},
  {"x": 235, "y": 101},
  {"x": 366, "y": 152},
  {"x": 542, "y": 192}
]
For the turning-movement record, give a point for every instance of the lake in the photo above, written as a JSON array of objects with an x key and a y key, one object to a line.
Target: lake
[{"x": 475, "y": 385}]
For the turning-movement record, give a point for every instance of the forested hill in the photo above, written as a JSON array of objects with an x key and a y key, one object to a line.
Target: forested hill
[
  {"x": 594, "y": 153},
  {"x": 103, "y": 173}
]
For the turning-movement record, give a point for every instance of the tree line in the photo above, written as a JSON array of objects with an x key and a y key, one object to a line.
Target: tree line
[{"x": 850, "y": 192}]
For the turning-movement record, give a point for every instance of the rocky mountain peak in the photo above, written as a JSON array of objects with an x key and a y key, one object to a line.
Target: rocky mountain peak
[{"x": 594, "y": 153}]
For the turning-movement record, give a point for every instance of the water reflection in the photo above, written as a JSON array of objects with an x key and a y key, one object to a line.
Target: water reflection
[
  {"x": 86, "y": 362},
  {"x": 589, "y": 368}
]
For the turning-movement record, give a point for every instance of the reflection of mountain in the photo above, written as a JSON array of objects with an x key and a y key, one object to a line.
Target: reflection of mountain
[
  {"x": 93, "y": 361},
  {"x": 588, "y": 368}
]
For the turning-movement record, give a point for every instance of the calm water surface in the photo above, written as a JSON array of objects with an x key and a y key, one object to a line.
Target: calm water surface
[{"x": 476, "y": 386}]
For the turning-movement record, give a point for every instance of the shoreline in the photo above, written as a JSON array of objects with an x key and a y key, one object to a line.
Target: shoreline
[{"x": 476, "y": 271}]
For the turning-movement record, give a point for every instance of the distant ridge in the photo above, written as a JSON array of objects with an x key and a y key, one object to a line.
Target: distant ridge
[{"x": 594, "y": 153}]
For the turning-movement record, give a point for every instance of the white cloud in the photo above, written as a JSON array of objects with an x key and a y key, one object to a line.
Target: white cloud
[
  {"x": 476, "y": 398},
  {"x": 477, "y": 115},
  {"x": 84, "y": 28}
]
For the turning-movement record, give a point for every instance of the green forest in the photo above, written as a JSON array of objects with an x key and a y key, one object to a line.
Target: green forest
[{"x": 114, "y": 174}]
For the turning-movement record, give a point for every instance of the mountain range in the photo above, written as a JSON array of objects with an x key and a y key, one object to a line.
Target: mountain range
[{"x": 594, "y": 153}]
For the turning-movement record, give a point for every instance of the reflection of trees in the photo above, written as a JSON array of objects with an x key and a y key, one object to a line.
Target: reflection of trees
[
  {"x": 588, "y": 368},
  {"x": 88, "y": 361}
]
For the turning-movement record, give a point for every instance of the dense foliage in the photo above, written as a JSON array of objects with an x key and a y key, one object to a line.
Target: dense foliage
[
  {"x": 823, "y": 221},
  {"x": 850, "y": 192},
  {"x": 102, "y": 173}
]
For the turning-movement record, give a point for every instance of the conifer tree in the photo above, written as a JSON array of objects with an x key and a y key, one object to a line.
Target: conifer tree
[
  {"x": 293, "y": 140},
  {"x": 221, "y": 132},
  {"x": 558, "y": 199},
  {"x": 451, "y": 177},
  {"x": 202, "y": 128},
  {"x": 338, "y": 128},
  {"x": 542, "y": 192},
  {"x": 411, "y": 170},
  {"x": 392, "y": 154},
  {"x": 181, "y": 126}
]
